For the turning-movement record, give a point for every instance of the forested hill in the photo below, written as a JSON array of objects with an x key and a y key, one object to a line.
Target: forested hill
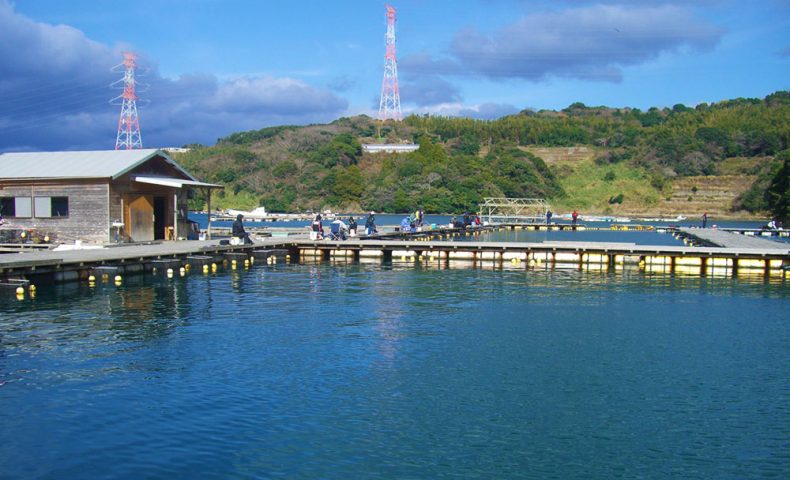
[{"x": 633, "y": 159}]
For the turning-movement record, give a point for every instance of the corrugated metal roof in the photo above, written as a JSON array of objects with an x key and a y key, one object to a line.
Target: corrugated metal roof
[{"x": 90, "y": 164}]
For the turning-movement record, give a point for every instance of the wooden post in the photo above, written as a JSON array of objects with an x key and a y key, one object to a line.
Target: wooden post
[
  {"x": 175, "y": 215},
  {"x": 208, "y": 208}
]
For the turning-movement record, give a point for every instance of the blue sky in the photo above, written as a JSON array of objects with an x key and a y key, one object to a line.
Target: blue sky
[{"x": 215, "y": 67}]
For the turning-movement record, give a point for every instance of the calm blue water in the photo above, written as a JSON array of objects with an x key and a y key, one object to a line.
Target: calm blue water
[{"x": 374, "y": 371}]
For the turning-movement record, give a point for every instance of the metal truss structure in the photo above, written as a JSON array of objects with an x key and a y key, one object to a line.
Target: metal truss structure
[
  {"x": 389, "y": 107},
  {"x": 129, "y": 123},
  {"x": 513, "y": 210}
]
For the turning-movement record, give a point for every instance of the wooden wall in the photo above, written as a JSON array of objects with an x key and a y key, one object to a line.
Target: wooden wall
[
  {"x": 95, "y": 204},
  {"x": 88, "y": 205}
]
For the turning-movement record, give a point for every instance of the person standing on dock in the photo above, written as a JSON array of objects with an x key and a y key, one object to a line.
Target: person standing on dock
[
  {"x": 352, "y": 226},
  {"x": 317, "y": 228},
  {"x": 704, "y": 219},
  {"x": 370, "y": 224},
  {"x": 548, "y": 217},
  {"x": 574, "y": 217}
]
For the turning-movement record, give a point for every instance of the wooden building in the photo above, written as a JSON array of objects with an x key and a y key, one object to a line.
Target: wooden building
[{"x": 97, "y": 196}]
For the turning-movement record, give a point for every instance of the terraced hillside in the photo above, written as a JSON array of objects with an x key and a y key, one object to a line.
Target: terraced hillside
[
  {"x": 591, "y": 187},
  {"x": 562, "y": 155},
  {"x": 713, "y": 194}
]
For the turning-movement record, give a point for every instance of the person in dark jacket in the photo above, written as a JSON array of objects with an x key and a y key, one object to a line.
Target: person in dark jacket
[
  {"x": 318, "y": 228},
  {"x": 370, "y": 224},
  {"x": 238, "y": 230}
]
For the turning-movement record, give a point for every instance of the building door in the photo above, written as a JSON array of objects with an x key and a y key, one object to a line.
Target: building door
[
  {"x": 159, "y": 218},
  {"x": 140, "y": 220}
]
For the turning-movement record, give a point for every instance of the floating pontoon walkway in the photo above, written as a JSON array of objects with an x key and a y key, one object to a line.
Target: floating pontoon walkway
[
  {"x": 727, "y": 239},
  {"x": 592, "y": 255},
  {"x": 60, "y": 266},
  {"x": 70, "y": 265}
]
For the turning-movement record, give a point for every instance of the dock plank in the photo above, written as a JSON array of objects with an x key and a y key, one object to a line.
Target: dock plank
[
  {"x": 119, "y": 254},
  {"x": 724, "y": 239}
]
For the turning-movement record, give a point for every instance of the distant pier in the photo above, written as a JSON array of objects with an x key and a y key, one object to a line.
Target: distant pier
[{"x": 731, "y": 238}]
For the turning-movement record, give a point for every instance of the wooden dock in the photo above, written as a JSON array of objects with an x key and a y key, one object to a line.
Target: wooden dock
[
  {"x": 72, "y": 265},
  {"x": 432, "y": 247},
  {"x": 758, "y": 232},
  {"x": 623, "y": 227},
  {"x": 729, "y": 239},
  {"x": 582, "y": 255}
]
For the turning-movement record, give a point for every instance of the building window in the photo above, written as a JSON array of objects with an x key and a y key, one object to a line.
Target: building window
[
  {"x": 48, "y": 207},
  {"x": 16, "y": 207}
]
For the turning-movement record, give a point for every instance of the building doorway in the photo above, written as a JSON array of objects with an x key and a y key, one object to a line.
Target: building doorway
[
  {"x": 139, "y": 219},
  {"x": 159, "y": 218}
]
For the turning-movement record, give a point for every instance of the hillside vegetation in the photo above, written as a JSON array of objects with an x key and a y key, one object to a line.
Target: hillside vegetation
[{"x": 720, "y": 157}]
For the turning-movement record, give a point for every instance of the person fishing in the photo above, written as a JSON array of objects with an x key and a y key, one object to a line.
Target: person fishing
[
  {"x": 370, "y": 224},
  {"x": 239, "y": 232}
]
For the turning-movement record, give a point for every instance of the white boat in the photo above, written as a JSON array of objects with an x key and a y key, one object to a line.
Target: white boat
[
  {"x": 259, "y": 213},
  {"x": 679, "y": 218}
]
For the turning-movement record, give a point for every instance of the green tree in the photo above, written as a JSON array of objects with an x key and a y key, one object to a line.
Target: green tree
[
  {"x": 779, "y": 191},
  {"x": 349, "y": 184},
  {"x": 285, "y": 169}
]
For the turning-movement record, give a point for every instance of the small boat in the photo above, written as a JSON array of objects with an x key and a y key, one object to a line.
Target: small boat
[
  {"x": 679, "y": 218},
  {"x": 257, "y": 214}
]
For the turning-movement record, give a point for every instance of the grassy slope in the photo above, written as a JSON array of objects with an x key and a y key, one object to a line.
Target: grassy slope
[{"x": 587, "y": 188}]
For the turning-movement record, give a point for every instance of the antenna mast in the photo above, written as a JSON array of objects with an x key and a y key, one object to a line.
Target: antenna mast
[
  {"x": 129, "y": 123},
  {"x": 389, "y": 107}
]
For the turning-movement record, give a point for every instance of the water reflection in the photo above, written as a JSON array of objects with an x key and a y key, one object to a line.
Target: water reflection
[{"x": 340, "y": 367}]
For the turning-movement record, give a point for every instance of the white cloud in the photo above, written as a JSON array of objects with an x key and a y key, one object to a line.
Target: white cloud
[
  {"x": 429, "y": 90},
  {"x": 587, "y": 43},
  {"x": 54, "y": 85},
  {"x": 483, "y": 111}
]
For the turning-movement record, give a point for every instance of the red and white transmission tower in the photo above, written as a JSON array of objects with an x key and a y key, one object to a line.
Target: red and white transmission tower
[
  {"x": 129, "y": 123},
  {"x": 389, "y": 107}
]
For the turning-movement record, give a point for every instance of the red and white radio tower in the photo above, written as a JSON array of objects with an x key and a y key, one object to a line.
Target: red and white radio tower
[
  {"x": 129, "y": 123},
  {"x": 389, "y": 107}
]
